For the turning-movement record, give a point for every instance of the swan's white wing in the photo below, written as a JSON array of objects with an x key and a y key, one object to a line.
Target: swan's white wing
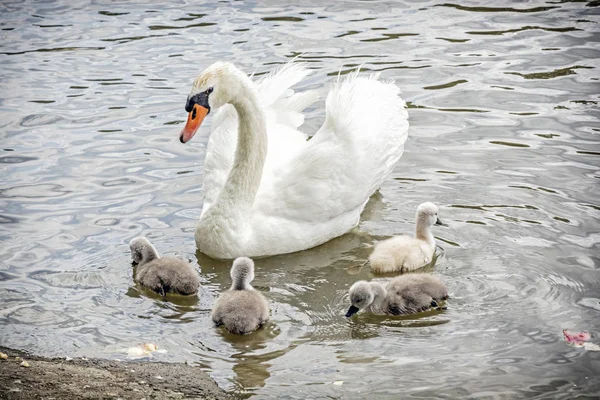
[
  {"x": 283, "y": 110},
  {"x": 330, "y": 180}
]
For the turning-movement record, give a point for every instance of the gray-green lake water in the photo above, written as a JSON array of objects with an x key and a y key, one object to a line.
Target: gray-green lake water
[{"x": 504, "y": 137}]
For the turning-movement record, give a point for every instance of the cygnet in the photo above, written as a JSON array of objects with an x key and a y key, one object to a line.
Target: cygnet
[
  {"x": 162, "y": 274},
  {"x": 405, "y": 294},
  {"x": 404, "y": 253},
  {"x": 241, "y": 309}
]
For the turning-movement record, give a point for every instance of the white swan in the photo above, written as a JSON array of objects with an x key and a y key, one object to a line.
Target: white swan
[
  {"x": 241, "y": 309},
  {"x": 162, "y": 274},
  {"x": 404, "y": 253},
  {"x": 405, "y": 294},
  {"x": 267, "y": 190}
]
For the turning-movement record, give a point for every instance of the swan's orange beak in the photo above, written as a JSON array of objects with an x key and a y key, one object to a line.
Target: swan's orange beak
[{"x": 195, "y": 118}]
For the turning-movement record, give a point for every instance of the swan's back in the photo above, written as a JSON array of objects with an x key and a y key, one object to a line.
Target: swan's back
[
  {"x": 350, "y": 156},
  {"x": 411, "y": 293},
  {"x": 168, "y": 274},
  {"x": 241, "y": 311}
]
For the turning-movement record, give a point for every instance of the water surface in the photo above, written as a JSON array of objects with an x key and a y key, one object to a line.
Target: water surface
[{"x": 504, "y": 137}]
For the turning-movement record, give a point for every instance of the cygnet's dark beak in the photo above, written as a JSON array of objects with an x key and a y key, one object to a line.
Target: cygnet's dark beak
[
  {"x": 351, "y": 311},
  {"x": 438, "y": 222}
]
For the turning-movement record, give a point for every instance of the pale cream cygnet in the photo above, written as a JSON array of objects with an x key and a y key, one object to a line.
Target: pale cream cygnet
[
  {"x": 405, "y": 294},
  {"x": 405, "y": 253},
  {"x": 162, "y": 274},
  {"x": 241, "y": 309}
]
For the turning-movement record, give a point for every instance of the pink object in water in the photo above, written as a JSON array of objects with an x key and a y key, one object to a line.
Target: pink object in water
[{"x": 576, "y": 338}]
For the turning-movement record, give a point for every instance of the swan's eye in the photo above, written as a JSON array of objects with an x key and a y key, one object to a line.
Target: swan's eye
[{"x": 209, "y": 90}]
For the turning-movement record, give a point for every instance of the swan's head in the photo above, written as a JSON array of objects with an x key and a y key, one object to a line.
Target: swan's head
[
  {"x": 242, "y": 273},
  {"x": 142, "y": 251},
  {"x": 216, "y": 86},
  {"x": 361, "y": 297},
  {"x": 428, "y": 212}
]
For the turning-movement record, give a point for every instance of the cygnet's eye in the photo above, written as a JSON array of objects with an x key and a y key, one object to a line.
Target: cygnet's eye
[{"x": 209, "y": 90}]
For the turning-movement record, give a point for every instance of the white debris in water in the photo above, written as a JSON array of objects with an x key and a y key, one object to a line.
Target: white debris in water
[
  {"x": 591, "y": 346},
  {"x": 338, "y": 383},
  {"x": 144, "y": 350}
]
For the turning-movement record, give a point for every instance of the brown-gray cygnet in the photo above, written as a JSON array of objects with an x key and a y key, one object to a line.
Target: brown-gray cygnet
[
  {"x": 241, "y": 309},
  {"x": 162, "y": 274},
  {"x": 405, "y": 294}
]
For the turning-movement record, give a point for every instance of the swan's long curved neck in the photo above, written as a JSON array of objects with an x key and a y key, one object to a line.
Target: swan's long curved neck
[
  {"x": 237, "y": 196},
  {"x": 423, "y": 231}
]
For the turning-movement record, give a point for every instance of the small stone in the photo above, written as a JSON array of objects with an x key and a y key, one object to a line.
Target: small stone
[
  {"x": 24, "y": 364},
  {"x": 3, "y": 356},
  {"x": 159, "y": 377}
]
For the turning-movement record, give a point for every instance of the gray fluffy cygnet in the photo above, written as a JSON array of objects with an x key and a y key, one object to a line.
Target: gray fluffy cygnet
[
  {"x": 162, "y": 274},
  {"x": 241, "y": 309},
  {"x": 405, "y": 294}
]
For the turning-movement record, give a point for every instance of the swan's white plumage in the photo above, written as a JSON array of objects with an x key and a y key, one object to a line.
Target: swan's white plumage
[{"x": 311, "y": 191}]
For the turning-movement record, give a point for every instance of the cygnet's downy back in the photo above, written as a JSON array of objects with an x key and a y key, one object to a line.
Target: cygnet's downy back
[
  {"x": 162, "y": 274},
  {"x": 405, "y": 294},
  {"x": 241, "y": 309},
  {"x": 413, "y": 293},
  {"x": 405, "y": 253}
]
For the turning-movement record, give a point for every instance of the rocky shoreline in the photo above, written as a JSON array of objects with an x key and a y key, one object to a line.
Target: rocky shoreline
[{"x": 26, "y": 376}]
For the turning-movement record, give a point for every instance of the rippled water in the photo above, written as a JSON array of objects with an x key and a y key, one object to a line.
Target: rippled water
[{"x": 504, "y": 136}]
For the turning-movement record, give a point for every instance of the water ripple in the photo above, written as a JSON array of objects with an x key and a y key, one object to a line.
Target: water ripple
[{"x": 503, "y": 104}]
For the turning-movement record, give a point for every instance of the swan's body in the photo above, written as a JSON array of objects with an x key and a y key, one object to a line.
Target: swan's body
[
  {"x": 162, "y": 274},
  {"x": 267, "y": 190},
  {"x": 406, "y": 294},
  {"x": 241, "y": 309},
  {"x": 405, "y": 253}
]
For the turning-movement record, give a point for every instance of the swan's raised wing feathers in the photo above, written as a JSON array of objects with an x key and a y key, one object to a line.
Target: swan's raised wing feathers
[{"x": 348, "y": 159}]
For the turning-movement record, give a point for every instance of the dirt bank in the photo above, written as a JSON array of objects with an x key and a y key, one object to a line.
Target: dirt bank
[{"x": 57, "y": 378}]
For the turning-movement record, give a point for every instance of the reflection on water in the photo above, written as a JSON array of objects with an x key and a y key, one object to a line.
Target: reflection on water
[{"x": 503, "y": 101}]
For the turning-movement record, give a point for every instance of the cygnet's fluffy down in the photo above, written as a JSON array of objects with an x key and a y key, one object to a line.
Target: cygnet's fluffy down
[
  {"x": 405, "y": 294},
  {"x": 162, "y": 274},
  {"x": 405, "y": 253},
  {"x": 241, "y": 309}
]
